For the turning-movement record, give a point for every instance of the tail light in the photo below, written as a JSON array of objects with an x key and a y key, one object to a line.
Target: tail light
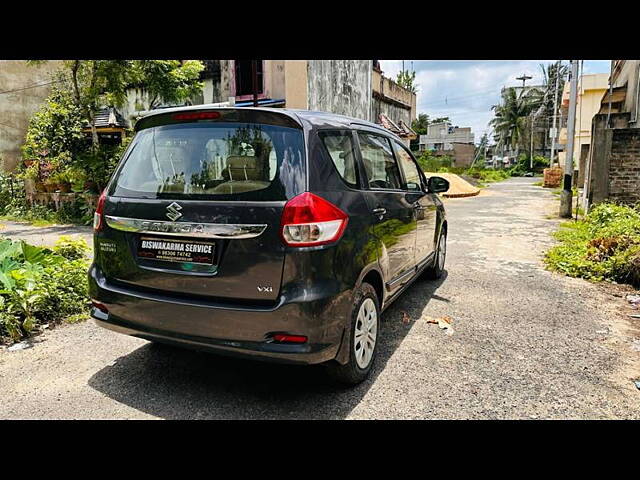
[
  {"x": 309, "y": 220},
  {"x": 285, "y": 338},
  {"x": 98, "y": 221}
]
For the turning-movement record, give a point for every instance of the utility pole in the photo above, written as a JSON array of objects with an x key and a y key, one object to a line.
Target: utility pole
[
  {"x": 565, "y": 197},
  {"x": 554, "y": 133},
  {"x": 533, "y": 119},
  {"x": 524, "y": 78}
]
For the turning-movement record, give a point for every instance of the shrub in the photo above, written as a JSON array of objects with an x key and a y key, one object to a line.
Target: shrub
[
  {"x": 605, "y": 245},
  {"x": 38, "y": 285},
  {"x": 71, "y": 249}
]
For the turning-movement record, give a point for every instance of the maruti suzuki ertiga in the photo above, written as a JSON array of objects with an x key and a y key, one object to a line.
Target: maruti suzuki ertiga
[{"x": 269, "y": 233}]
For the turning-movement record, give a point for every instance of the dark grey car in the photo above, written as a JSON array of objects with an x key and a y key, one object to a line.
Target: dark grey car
[{"x": 270, "y": 233}]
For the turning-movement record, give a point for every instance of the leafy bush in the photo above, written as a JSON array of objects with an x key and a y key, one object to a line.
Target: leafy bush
[
  {"x": 71, "y": 249},
  {"x": 39, "y": 285},
  {"x": 485, "y": 175},
  {"x": 432, "y": 163},
  {"x": 523, "y": 165},
  {"x": 605, "y": 245}
]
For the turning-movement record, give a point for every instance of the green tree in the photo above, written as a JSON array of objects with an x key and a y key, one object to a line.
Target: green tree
[
  {"x": 406, "y": 79},
  {"x": 420, "y": 124},
  {"x": 55, "y": 131},
  {"x": 547, "y": 94},
  {"x": 169, "y": 81},
  {"x": 97, "y": 83},
  {"x": 440, "y": 120},
  {"x": 510, "y": 121}
]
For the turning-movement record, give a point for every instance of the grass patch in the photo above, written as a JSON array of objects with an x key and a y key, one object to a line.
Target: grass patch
[
  {"x": 538, "y": 184},
  {"x": 605, "y": 245}
]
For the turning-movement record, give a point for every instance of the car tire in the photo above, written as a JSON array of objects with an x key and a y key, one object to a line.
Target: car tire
[
  {"x": 436, "y": 269},
  {"x": 364, "y": 327}
]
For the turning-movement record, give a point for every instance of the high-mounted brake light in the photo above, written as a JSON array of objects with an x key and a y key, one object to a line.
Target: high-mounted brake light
[
  {"x": 196, "y": 116},
  {"x": 284, "y": 338},
  {"x": 309, "y": 220},
  {"x": 98, "y": 223}
]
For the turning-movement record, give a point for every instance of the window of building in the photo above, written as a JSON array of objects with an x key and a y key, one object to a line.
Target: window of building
[
  {"x": 379, "y": 162},
  {"x": 340, "y": 147},
  {"x": 244, "y": 77}
]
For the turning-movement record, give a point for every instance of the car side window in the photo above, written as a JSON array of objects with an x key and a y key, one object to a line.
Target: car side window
[
  {"x": 340, "y": 146},
  {"x": 409, "y": 168},
  {"x": 379, "y": 162}
]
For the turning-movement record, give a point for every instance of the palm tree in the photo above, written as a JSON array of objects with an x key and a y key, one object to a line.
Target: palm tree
[
  {"x": 510, "y": 121},
  {"x": 550, "y": 73}
]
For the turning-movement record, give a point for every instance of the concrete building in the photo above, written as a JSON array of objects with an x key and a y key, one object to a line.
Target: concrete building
[
  {"x": 591, "y": 90},
  {"x": 356, "y": 88},
  {"x": 613, "y": 167},
  {"x": 625, "y": 90},
  {"x": 442, "y": 136},
  {"x": 23, "y": 87},
  {"x": 443, "y": 139}
]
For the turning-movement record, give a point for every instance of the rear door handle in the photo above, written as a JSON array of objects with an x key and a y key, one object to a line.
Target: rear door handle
[{"x": 379, "y": 211}]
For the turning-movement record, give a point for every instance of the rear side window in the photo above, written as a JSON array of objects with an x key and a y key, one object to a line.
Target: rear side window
[
  {"x": 339, "y": 144},
  {"x": 218, "y": 161},
  {"x": 379, "y": 162},
  {"x": 409, "y": 168}
]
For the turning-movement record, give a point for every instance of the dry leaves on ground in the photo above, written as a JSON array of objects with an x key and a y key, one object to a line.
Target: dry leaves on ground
[{"x": 443, "y": 322}]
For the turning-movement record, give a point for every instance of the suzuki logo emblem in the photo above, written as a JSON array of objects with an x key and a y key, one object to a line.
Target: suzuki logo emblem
[{"x": 173, "y": 211}]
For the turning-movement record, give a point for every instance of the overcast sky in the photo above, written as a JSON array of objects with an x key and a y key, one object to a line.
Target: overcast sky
[{"x": 465, "y": 90}]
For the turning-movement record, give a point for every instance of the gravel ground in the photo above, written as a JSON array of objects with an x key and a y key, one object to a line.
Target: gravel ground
[{"x": 527, "y": 343}]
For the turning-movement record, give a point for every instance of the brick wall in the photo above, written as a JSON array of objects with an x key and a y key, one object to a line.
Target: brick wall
[{"x": 624, "y": 165}]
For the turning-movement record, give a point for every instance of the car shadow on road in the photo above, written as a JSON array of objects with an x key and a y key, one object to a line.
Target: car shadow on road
[{"x": 174, "y": 383}]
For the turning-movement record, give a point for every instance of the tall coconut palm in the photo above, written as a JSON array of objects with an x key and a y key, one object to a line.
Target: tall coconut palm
[
  {"x": 510, "y": 121},
  {"x": 547, "y": 95}
]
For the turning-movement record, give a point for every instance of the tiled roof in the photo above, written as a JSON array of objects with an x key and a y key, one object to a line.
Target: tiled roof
[
  {"x": 401, "y": 129},
  {"x": 109, "y": 117}
]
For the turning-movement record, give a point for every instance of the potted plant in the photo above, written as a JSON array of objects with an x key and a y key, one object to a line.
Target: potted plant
[
  {"x": 62, "y": 180},
  {"x": 32, "y": 174}
]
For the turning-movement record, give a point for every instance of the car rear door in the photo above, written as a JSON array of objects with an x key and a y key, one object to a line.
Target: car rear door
[
  {"x": 194, "y": 210},
  {"x": 394, "y": 218}
]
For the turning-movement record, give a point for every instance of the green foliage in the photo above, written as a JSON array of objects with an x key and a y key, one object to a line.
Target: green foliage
[
  {"x": 432, "y": 163},
  {"x": 420, "y": 124},
  {"x": 523, "y": 165},
  {"x": 55, "y": 131},
  {"x": 407, "y": 79},
  {"x": 605, "y": 245},
  {"x": 171, "y": 81},
  {"x": 38, "y": 285},
  {"x": 71, "y": 249},
  {"x": 510, "y": 121}
]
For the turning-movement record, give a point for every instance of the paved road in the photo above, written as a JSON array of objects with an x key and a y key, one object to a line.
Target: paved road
[
  {"x": 46, "y": 236},
  {"x": 526, "y": 344}
]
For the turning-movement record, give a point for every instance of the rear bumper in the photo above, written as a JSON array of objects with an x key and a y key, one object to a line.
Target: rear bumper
[{"x": 223, "y": 328}]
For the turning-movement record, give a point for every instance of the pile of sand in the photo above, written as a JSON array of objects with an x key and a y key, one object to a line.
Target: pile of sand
[{"x": 458, "y": 187}]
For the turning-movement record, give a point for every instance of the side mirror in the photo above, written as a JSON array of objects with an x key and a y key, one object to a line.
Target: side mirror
[{"x": 438, "y": 184}]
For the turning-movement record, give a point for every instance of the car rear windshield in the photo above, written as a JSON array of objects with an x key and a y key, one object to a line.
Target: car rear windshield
[{"x": 221, "y": 161}]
